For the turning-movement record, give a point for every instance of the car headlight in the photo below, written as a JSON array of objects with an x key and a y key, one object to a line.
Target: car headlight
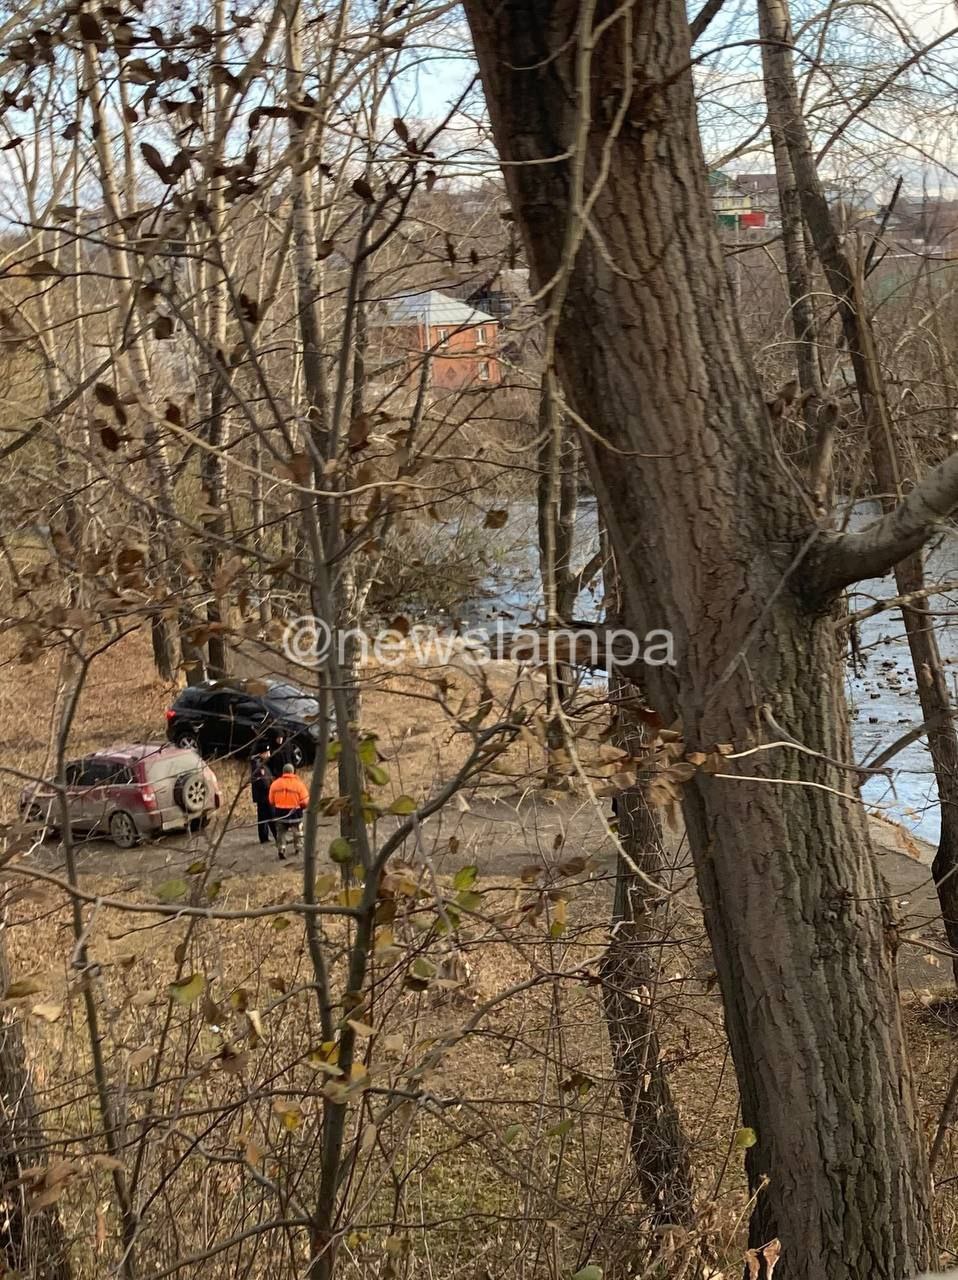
[{"x": 314, "y": 731}]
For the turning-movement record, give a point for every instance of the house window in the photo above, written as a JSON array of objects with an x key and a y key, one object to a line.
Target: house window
[
  {"x": 443, "y": 336},
  {"x": 481, "y": 336},
  {"x": 483, "y": 371}
]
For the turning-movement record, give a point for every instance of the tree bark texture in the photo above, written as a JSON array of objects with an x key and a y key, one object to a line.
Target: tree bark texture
[
  {"x": 712, "y": 541},
  {"x": 630, "y": 972},
  {"x": 845, "y": 281}
]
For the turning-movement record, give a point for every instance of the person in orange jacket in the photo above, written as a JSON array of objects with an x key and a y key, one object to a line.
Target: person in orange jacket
[{"x": 289, "y": 797}]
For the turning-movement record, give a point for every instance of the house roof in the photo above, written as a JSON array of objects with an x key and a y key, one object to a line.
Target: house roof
[
  {"x": 428, "y": 308},
  {"x": 757, "y": 182}
]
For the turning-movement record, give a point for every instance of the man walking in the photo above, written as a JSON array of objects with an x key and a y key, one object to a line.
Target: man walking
[
  {"x": 260, "y": 781},
  {"x": 288, "y": 796}
]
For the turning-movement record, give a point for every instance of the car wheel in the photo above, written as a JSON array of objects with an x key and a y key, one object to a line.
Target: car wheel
[
  {"x": 189, "y": 792},
  {"x": 123, "y": 831},
  {"x": 297, "y": 756},
  {"x": 188, "y": 740}
]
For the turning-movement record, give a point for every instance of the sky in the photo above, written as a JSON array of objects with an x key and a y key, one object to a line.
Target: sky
[{"x": 922, "y": 145}]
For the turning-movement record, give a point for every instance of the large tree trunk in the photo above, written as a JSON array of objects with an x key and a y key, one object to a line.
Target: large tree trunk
[
  {"x": 707, "y": 531},
  {"x": 845, "y": 281}
]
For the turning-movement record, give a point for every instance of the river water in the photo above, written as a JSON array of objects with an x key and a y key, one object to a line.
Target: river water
[
  {"x": 884, "y": 697},
  {"x": 882, "y": 694}
]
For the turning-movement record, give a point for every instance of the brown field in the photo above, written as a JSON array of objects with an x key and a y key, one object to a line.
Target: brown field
[{"x": 487, "y": 1130}]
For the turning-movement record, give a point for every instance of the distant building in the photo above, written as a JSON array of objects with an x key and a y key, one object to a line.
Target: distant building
[
  {"x": 499, "y": 295},
  {"x": 460, "y": 341},
  {"x": 761, "y": 189},
  {"x": 855, "y": 203},
  {"x": 727, "y": 196},
  {"x": 925, "y": 224},
  {"x": 733, "y": 204}
]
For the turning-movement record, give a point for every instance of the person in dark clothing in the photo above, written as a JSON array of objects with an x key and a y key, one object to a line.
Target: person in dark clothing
[
  {"x": 280, "y": 756},
  {"x": 261, "y": 779}
]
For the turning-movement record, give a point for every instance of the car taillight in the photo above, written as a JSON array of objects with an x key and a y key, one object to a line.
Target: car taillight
[
  {"x": 170, "y": 713},
  {"x": 148, "y": 796}
]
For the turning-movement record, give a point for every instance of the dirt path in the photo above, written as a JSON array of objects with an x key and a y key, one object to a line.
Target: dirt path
[{"x": 502, "y": 837}]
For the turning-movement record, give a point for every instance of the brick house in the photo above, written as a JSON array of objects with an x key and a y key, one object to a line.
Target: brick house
[{"x": 461, "y": 341}]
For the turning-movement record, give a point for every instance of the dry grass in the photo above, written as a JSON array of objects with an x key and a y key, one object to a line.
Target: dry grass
[
  {"x": 488, "y": 1189},
  {"x": 516, "y": 1164}
]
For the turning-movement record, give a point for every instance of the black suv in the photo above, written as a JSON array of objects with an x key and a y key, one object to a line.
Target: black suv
[{"x": 229, "y": 717}]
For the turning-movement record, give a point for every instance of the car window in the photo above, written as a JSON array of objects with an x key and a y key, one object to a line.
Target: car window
[
  {"x": 99, "y": 773},
  {"x": 279, "y": 690},
  {"x": 219, "y": 704},
  {"x": 95, "y": 772},
  {"x": 72, "y": 772},
  {"x": 252, "y": 710},
  {"x": 171, "y": 766},
  {"x": 287, "y": 700}
]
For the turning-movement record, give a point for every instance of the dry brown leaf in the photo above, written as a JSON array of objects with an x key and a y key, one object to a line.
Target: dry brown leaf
[
  {"x": 45, "y": 1198},
  {"x": 771, "y": 1252},
  {"x": 362, "y": 1029},
  {"x": 681, "y": 771},
  {"x": 48, "y": 1012},
  {"x": 107, "y": 1162},
  {"x": 59, "y": 1171},
  {"x": 21, "y": 987}
]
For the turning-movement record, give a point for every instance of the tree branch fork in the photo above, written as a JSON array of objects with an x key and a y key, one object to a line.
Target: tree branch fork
[{"x": 842, "y": 559}]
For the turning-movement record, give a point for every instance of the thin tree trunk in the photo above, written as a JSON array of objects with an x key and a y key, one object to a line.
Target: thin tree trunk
[
  {"x": 557, "y": 496},
  {"x": 31, "y": 1245},
  {"x": 161, "y": 513},
  {"x": 846, "y": 283},
  {"x": 305, "y": 255},
  {"x": 711, "y": 541},
  {"x": 797, "y": 271},
  {"x": 630, "y": 971},
  {"x": 214, "y": 460},
  {"x": 258, "y": 520}
]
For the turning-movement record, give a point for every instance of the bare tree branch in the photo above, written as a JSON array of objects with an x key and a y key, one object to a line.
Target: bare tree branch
[
  {"x": 703, "y": 18},
  {"x": 872, "y": 552}
]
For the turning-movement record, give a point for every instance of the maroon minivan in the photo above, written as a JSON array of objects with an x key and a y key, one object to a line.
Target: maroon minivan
[{"x": 129, "y": 792}]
